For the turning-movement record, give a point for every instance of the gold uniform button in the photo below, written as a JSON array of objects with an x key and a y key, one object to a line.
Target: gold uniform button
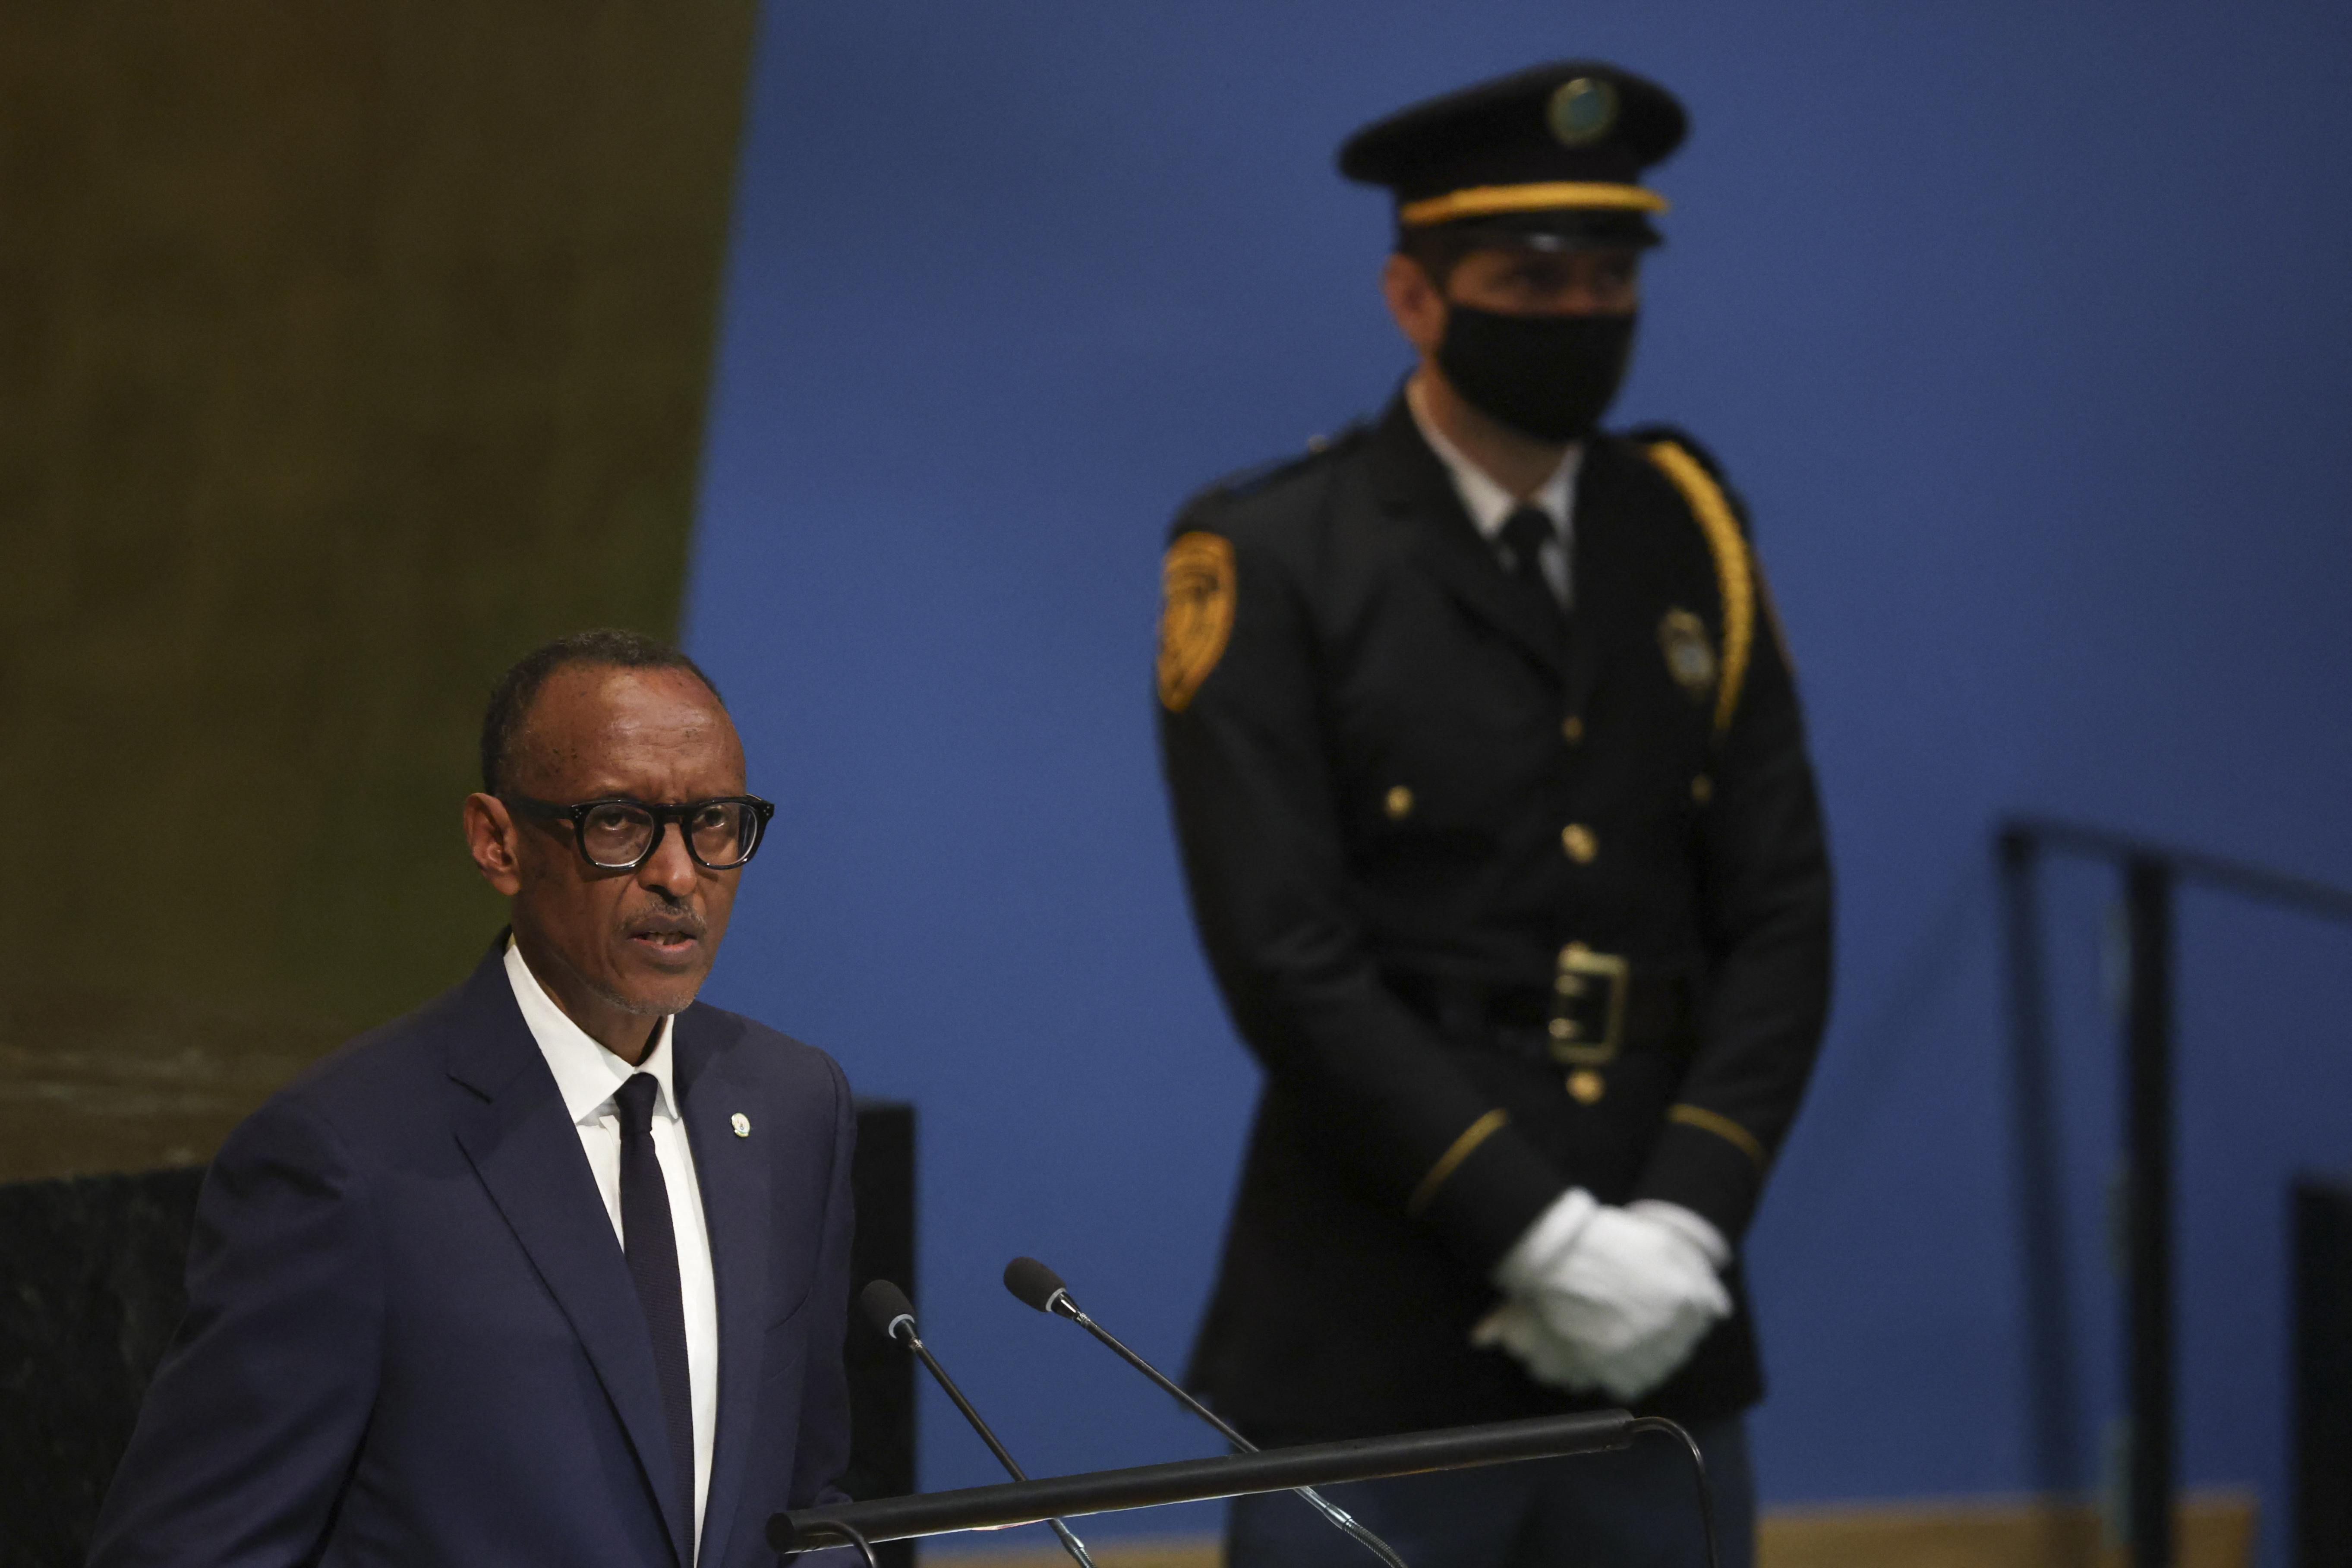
[
  {"x": 1571, "y": 730},
  {"x": 1702, "y": 789},
  {"x": 1399, "y": 803},
  {"x": 1578, "y": 840},
  {"x": 1585, "y": 1086}
]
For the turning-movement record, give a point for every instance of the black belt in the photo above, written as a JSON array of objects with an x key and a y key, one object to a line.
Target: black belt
[{"x": 1596, "y": 1006}]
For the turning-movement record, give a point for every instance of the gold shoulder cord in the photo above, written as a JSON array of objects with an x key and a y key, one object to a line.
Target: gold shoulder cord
[
  {"x": 1733, "y": 576},
  {"x": 1736, "y": 580}
]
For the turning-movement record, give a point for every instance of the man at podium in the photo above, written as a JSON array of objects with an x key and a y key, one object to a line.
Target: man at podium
[{"x": 554, "y": 1268}]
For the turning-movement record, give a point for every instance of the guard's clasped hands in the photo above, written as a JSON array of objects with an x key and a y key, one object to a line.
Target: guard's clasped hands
[{"x": 1615, "y": 1298}]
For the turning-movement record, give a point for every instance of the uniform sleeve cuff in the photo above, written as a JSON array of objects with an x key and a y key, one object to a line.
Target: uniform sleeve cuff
[
  {"x": 1695, "y": 1169},
  {"x": 1491, "y": 1198}
]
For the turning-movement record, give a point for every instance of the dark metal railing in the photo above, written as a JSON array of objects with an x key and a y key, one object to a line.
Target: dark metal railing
[
  {"x": 2152, "y": 874},
  {"x": 1197, "y": 1481}
]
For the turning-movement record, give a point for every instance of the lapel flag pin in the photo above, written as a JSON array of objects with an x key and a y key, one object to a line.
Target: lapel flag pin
[{"x": 742, "y": 1124}]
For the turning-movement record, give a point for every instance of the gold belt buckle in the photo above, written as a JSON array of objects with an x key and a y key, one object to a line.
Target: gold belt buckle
[{"x": 1588, "y": 1007}]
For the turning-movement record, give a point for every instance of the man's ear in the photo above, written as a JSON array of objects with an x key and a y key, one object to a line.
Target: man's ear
[
  {"x": 1416, "y": 302},
  {"x": 490, "y": 836}
]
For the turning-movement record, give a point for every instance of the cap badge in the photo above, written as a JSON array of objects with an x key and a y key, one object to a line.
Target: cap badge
[
  {"x": 1690, "y": 657},
  {"x": 1581, "y": 112}
]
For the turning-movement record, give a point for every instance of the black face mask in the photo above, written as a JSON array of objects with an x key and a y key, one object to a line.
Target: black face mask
[{"x": 1545, "y": 377}]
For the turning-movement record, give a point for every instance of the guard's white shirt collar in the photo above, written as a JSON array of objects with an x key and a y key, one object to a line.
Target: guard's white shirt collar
[{"x": 1488, "y": 503}]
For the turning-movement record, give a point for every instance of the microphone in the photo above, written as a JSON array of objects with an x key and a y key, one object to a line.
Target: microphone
[
  {"x": 1038, "y": 1285},
  {"x": 889, "y": 1310}
]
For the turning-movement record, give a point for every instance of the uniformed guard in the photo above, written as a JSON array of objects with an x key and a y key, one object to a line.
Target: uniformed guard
[{"x": 1492, "y": 789}]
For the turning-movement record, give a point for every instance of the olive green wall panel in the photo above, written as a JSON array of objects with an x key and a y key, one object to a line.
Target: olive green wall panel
[{"x": 345, "y": 352}]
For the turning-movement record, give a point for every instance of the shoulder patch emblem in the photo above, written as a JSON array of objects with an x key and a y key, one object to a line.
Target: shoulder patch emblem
[
  {"x": 1196, "y": 614},
  {"x": 1690, "y": 657}
]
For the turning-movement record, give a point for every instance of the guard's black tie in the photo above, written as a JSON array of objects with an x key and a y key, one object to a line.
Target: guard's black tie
[
  {"x": 1525, "y": 533},
  {"x": 652, "y": 1248}
]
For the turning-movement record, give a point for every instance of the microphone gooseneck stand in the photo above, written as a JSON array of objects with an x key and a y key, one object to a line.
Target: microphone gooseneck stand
[
  {"x": 1202, "y": 1481},
  {"x": 1249, "y": 1470},
  {"x": 891, "y": 1312},
  {"x": 1221, "y": 1475},
  {"x": 1040, "y": 1286}
]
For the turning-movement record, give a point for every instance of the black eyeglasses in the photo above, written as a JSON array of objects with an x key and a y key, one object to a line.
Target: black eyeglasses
[{"x": 617, "y": 833}]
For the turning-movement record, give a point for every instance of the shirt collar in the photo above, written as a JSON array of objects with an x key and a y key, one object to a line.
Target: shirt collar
[
  {"x": 1488, "y": 503},
  {"x": 586, "y": 1074}
]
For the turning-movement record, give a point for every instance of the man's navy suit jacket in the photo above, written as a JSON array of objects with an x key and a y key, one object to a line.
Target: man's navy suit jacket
[{"x": 412, "y": 1336}]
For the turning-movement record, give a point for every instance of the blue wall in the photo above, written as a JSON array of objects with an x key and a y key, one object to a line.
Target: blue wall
[{"x": 2024, "y": 328}]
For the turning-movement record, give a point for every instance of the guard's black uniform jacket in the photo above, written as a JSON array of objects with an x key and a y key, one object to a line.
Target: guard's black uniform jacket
[{"x": 1404, "y": 785}]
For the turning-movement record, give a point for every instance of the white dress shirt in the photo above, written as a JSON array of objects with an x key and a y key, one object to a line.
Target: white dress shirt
[
  {"x": 1490, "y": 505},
  {"x": 587, "y": 1074}
]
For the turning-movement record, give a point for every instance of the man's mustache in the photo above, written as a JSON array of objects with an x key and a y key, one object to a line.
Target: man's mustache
[{"x": 677, "y": 920}]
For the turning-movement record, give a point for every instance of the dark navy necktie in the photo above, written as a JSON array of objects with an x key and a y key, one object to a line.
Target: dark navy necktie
[
  {"x": 652, "y": 1248},
  {"x": 1525, "y": 533}
]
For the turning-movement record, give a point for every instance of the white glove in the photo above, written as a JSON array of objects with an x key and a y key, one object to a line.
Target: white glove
[
  {"x": 1630, "y": 1291},
  {"x": 1520, "y": 1328}
]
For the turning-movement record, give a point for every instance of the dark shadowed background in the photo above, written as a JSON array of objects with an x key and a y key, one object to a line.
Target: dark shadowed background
[{"x": 347, "y": 355}]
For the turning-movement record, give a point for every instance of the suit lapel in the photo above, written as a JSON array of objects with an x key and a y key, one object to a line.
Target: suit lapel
[
  {"x": 1411, "y": 481},
  {"x": 735, "y": 1174},
  {"x": 527, "y": 1152}
]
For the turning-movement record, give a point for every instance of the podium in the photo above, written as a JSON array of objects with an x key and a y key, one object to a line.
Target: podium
[{"x": 863, "y": 1524}]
